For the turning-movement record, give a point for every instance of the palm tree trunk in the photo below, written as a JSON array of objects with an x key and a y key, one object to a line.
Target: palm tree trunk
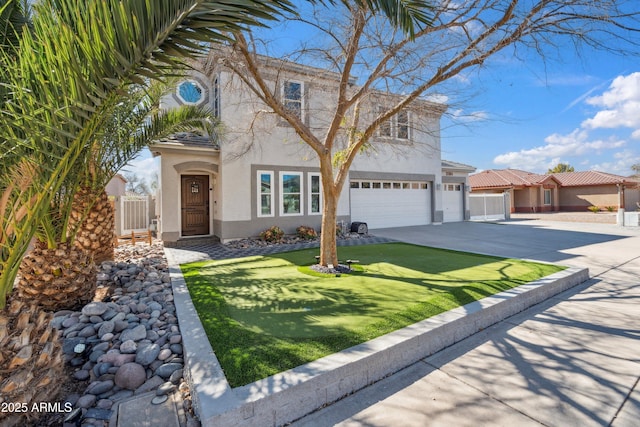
[
  {"x": 93, "y": 219},
  {"x": 30, "y": 359},
  {"x": 60, "y": 278}
]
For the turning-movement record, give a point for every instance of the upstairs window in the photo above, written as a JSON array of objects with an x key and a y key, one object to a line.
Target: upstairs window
[
  {"x": 385, "y": 127},
  {"x": 216, "y": 97},
  {"x": 292, "y": 97},
  {"x": 397, "y": 127},
  {"x": 402, "y": 125},
  {"x": 190, "y": 92}
]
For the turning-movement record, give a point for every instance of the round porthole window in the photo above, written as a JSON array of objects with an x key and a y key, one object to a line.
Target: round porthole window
[{"x": 190, "y": 92}]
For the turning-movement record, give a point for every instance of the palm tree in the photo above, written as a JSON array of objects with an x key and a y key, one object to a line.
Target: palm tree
[
  {"x": 59, "y": 90},
  {"x": 70, "y": 73},
  {"x": 78, "y": 230}
]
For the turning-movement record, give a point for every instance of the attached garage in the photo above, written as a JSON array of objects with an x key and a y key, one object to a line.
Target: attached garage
[
  {"x": 383, "y": 204},
  {"x": 453, "y": 202}
]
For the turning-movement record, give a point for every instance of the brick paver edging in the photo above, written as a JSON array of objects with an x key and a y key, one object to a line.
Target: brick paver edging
[{"x": 203, "y": 251}]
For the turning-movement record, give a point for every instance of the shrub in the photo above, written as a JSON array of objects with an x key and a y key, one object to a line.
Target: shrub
[
  {"x": 611, "y": 208},
  {"x": 272, "y": 234},
  {"x": 594, "y": 209},
  {"x": 307, "y": 233}
]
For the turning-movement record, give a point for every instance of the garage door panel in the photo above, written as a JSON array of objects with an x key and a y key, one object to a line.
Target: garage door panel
[
  {"x": 452, "y": 204},
  {"x": 391, "y": 207}
]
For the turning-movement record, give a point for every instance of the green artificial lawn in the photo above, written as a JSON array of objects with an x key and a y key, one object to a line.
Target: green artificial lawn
[{"x": 267, "y": 314}]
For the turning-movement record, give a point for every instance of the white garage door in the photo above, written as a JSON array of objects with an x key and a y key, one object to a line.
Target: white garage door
[
  {"x": 452, "y": 203},
  {"x": 384, "y": 204}
]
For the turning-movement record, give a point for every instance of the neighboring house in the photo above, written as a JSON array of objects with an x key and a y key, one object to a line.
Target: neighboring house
[
  {"x": 117, "y": 186},
  {"x": 260, "y": 174},
  {"x": 567, "y": 191}
]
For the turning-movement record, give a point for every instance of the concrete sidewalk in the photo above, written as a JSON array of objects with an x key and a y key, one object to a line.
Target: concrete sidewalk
[{"x": 573, "y": 360}]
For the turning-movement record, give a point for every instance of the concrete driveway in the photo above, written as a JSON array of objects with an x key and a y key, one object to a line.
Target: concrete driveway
[{"x": 573, "y": 360}]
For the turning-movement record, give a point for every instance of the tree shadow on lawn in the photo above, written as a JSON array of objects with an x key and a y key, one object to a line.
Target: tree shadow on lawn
[{"x": 263, "y": 316}]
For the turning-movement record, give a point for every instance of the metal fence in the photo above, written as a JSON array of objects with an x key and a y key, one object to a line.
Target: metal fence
[
  {"x": 134, "y": 214},
  {"x": 486, "y": 206}
]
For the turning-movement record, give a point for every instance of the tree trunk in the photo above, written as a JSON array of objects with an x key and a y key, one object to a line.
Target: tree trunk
[
  {"x": 328, "y": 241},
  {"x": 31, "y": 361},
  {"x": 93, "y": 218},
  {"x": 56, "y": 279}
]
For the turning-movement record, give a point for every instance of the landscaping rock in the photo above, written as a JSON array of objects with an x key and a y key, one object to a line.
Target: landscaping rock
[
  {"x": 130, "y": 376},
  {"x": 128, "y": 346},
  {"x": 167, "y": 369},
  {"x": 136, "y": 334},
  {"x": 147, "y": 354},
  {"x": 123, "y": 346},
  {"x": 95, "y": 309},
  {"x": 86, "y": 401}
]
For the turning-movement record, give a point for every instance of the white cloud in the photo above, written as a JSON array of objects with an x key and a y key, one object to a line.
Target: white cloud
[
  {"x": 619, "y": 108},
  {"x": 144, "y": 166},
  {"x": 557, "y": 148},
  {"x": 621, "y": 105},
  {"x": 459, "y": 115},
  {"x": 621, "y": 164},
  {"x": 439, "y": 98}
]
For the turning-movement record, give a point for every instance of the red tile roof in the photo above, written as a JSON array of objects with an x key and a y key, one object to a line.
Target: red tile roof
[
  {"x": 576, "y": 179},
  {"x": 508, "y": 178},
  {"x": 501, "y": 178}
]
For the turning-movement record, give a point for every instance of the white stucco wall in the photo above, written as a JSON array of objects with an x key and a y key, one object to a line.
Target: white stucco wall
[{"x": 255, "y": 139}]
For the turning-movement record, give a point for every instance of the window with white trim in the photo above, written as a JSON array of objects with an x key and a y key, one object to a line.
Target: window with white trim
[
  {"x": 291, "y": 193},
  {"x": 292, "y": 97},
  {"x": 265, "y": 193},
  {"x": 398, "y": 126},
  {"x": 385, "y": 127},
  {"x": 402, "y": 124},
  {"x": 315, "y": 194},
  {"x": 547, "y": 197},
  {"x": 190, "y": 92}
]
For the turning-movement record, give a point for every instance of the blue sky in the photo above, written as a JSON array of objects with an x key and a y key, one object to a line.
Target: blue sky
[{"x": 584, "y": 111}]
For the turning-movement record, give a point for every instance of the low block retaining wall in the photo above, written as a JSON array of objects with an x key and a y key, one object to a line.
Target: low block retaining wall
[{"x": 290, "y": 395}]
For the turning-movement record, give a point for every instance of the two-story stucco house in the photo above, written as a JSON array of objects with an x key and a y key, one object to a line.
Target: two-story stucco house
[{"x": 261, "y": 174}]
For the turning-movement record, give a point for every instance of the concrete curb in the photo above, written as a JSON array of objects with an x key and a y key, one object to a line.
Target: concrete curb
[{"x": 290, "y": 395}]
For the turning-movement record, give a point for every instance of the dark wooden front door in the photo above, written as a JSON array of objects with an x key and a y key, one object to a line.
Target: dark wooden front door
[{"x": 195, "y": 205}]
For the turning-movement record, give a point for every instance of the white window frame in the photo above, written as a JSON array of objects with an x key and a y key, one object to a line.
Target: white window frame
[
  {"x": 544, "y": 195},
  {"x": 394, "y": 125},
  {"x": 260, "y": 194},
  {"x": 285, "y": 100},
  {"x": 407, "y": 124},
  {"x": 282, "y": 194},
  {"x": 310, "y": 177},
  {"x": 387, "y": 124}
]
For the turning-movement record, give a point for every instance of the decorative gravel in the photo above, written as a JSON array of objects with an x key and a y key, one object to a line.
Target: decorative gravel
[{"x": 128, "y": 343}]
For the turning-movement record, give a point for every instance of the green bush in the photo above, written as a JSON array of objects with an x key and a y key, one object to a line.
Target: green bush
[
  {"x": 272, "y": 234},
  {"x": 611, "y": 208},
  {"x": 307, "y": 233},
  {"x": 594, "y": 209}
]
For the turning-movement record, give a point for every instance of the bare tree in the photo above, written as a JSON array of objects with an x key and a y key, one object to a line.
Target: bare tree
[{"x": 348, "y": 39}]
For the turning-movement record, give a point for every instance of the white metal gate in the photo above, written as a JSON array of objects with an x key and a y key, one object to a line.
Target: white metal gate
[
  {"x": 134, "y": 214},
  {"x": 487, "y": 206}
]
